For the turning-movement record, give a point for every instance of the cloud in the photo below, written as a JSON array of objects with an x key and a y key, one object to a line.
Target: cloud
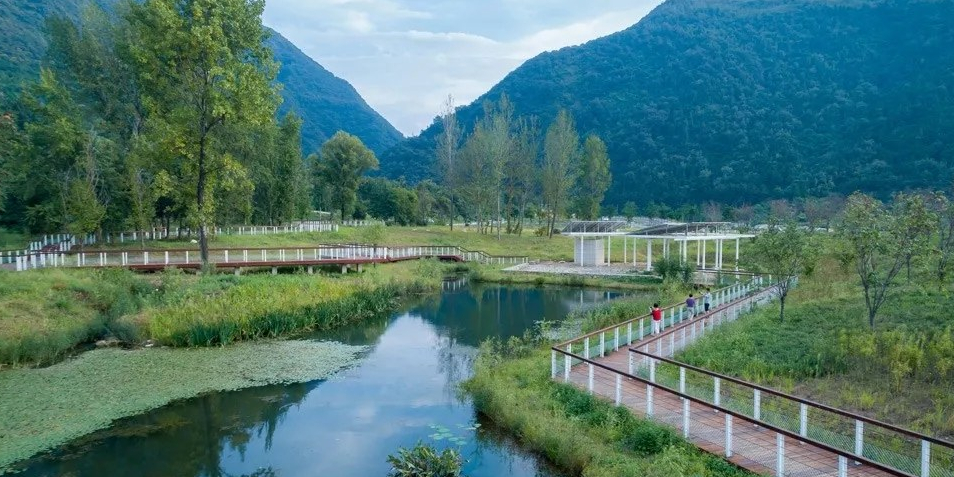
[{"x": 406, "y": 56}]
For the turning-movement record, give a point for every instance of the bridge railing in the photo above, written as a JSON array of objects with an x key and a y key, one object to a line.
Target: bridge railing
[
  {"x": 234, "y": 257},
  {"x": 904, "y": 451},
  {"x": 725, "y": 429},
  {"x": 612, "y": 338}
]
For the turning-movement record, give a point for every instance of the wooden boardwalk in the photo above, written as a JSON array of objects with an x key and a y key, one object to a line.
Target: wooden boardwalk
[{"x": 756, "y": 428}]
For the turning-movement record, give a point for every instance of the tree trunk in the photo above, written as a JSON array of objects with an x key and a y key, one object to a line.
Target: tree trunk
[
  {"x": 498, "y": 216},
  {"x": 200, "y": 205},
  {"x": 781, "y": 313}
]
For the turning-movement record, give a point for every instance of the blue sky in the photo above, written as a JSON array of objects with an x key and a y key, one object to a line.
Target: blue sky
[{"x": 406, "y": 56}]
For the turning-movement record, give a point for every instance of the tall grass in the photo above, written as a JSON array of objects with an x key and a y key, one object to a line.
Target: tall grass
[
  {"x": 581, "y": 434},
  {"x": 493, "y": 274},
  {"x": 46, "y": 313}
]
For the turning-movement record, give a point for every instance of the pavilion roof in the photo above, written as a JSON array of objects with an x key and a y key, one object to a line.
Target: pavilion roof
[{"x": 600, "y": 227}]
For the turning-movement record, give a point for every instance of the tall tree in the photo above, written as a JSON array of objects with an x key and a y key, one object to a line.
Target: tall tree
[
  {"x": 783, "y": 251},
  {"x": 561, "y": 152},
  {"x": 521, "y": 178},
  {"x": 448, "y": 147},
  {"x": 201, "y": 64},
  {"x": 943, "y": 206},
  {"x": 343, "y": 160},
  {"x": 594, "y": 178},
  {"x": 878, "y": 242}
]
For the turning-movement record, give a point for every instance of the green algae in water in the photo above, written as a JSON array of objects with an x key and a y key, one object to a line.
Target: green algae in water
[{"x": 44, "y": 408}]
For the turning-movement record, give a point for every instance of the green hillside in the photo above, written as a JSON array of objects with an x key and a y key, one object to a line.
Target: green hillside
[
  {"x": 747, "y": 100},
  {"x": 326, "y": 103}
]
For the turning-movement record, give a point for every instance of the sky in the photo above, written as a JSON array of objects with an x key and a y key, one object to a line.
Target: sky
[{"x": 406, "y": 56}]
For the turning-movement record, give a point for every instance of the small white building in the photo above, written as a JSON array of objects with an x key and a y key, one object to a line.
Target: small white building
[{"x": 589, "y": 239}]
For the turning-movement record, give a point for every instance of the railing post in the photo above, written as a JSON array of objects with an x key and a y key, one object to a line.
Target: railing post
[
  {"x": 586, "y": 347},
  {"x": 616, "y": 339},
  {"x": 567, "y": 363},
  {"x": 757, "y": 404},
  {"x": 602, "y": 344},
  {"x": 642, "y": 328},
  {"x": 553, "y": 369},
  {"x": 672, "y": 344},
  {"x": 728, "y": 435},
  {"x": 685, "y": 418},
  {"x": 649, "y": 400},
  {"x": 631, "y": 362},
  {"x": 925, "y": 458},
  {"x": 803, "y": 420},
  {"x": 779, "y": 454},
  {"x": 629, "y": 333},
  {"x": 619, "y": 389},
  {"x": 717, "y": 391},
  {"x": 591, "y": 378},
  {"x": 652, "y": 370},
  {"x": 842, "y": 466},
  {"x": 167, "y": 257},
  {"x": 859, "y": 438}
]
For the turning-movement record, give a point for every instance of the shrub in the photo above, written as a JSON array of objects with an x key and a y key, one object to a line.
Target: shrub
[{"x": 425, "y": 461}]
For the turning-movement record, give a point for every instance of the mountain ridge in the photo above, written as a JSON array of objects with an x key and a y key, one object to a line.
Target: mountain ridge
[{"x": 748, "y": 100}]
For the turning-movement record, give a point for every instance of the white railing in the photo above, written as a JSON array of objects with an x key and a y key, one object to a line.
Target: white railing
[{"x": 349, "y": 254}]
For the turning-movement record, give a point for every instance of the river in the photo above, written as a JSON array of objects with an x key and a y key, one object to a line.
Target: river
[{"x": 403, "y": 391}]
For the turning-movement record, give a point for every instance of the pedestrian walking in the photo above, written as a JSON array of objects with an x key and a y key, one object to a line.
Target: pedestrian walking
[
  {"x": 707, "y": 299},
  {"x": 691, "y": 305},
  {"x": 657, "y": 319}
]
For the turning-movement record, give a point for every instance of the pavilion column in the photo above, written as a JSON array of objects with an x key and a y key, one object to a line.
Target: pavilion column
[
  {"x": 649, "y": 255},
  {"x": 634, "y": 250},
  {"x": 703, "y": 254},
  {"x": 684, "y": 248},
  {"x": 625, "y": 243},
  {"x": 609, "y": 250},
  {"x": 736, "y": 254},
  {"x": 719, "y": 254},
  {"x": 698, "y": 253}
]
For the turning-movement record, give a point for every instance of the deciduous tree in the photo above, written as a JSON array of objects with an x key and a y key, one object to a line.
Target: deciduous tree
[
  {"x": 342, "y": 162},
  {"x": 561, "y": 152},
  {"x": 593, "y": 178},
  {"x": 783, "y": 251}
]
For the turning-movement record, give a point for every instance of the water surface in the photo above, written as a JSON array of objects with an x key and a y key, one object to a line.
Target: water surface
[{"x": 404, "y": 391}]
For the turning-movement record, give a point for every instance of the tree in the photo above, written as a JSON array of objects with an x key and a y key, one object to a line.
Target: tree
[
  {"x": 561, "y": 151},
  {"x": 630, "y": 211},
  {"x": 342, "y": 162},
  {"x": 522, "y": 172},
  {"x": 448, "y": 147},
  {"x": 943, "y": 207},
  {"x": 783, "y": 251},
  {"x": 712, "y": 212},
  {"x": 878, "y": 242},
  {"x": 594, "y": 178},
  {"x": 201, "y": 64},
  {"x": 744, "y": 214}
]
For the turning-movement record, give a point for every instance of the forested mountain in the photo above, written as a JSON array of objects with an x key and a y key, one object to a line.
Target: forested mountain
[
  {"x": 325, "y": 102},
  {"x": 746, "y": 100}
]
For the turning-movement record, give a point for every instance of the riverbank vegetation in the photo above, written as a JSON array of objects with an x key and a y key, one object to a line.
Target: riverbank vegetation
[
  {"x": 581, "y": 434},
  {"x": 46, "y": 314},
  {"x": 44, "y": 408},
  {"x": 900, "y": 371}
]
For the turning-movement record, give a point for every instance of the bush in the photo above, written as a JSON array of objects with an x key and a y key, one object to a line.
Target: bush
[
  {"x": 425, "y": 461},
  {"x": 674, "y": 270}
]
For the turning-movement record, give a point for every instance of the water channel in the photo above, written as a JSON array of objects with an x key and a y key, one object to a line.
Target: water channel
[{"x": 402, "y": 392}]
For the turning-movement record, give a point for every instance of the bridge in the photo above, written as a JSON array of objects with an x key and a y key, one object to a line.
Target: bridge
[
  {"x": 346, "y": 256},
  {"x": 755, "y": 427}
]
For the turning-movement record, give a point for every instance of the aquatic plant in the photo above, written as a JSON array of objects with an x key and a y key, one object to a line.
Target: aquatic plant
[{"x": 425, "y": 461}]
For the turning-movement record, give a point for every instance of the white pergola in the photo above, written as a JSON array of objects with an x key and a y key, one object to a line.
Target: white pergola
[
  {"x": 702, "y": 233},
  {"x": 588, "y": 238}
]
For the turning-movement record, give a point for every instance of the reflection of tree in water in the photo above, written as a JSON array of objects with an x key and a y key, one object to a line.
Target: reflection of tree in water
[
  {"x": 455, "y": 362},
  {"x": 183, "y": 439}
]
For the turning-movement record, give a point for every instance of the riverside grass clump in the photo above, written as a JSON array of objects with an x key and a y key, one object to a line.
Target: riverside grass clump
[
  {"x": 44, "y": 408},
  {"x": 46, "y": 313},
  {"x": 581, "y": 434},
  {"x": 271, "y": 306}
]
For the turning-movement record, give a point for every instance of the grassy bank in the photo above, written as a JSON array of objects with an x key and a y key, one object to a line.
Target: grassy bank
[
  {"x": 46, "y": 314},
  {"x": 579, "y": 433},
  {"x": 44, "y": 408},
  {"x": 902, "y": 371},
  {"x": 496, "y": 275}
]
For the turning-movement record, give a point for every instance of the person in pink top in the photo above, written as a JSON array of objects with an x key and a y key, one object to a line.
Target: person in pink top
[{"x": 657, "y": 319}]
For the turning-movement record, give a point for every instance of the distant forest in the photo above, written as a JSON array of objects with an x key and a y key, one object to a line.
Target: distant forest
[{"x": 746, "y": 101}]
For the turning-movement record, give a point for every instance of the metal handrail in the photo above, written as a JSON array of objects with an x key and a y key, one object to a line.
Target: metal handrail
[
  {"x": 797, "y": 399},
  {"x": 785, "y": 432}
]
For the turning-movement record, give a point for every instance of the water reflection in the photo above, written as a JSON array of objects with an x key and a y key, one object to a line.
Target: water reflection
[{"x": 347, "y": 425}]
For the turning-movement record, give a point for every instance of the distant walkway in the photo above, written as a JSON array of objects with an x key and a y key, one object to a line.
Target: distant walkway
[
  {"x": 347, "y": 257},
  {"x": 754, "y": 427}
]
